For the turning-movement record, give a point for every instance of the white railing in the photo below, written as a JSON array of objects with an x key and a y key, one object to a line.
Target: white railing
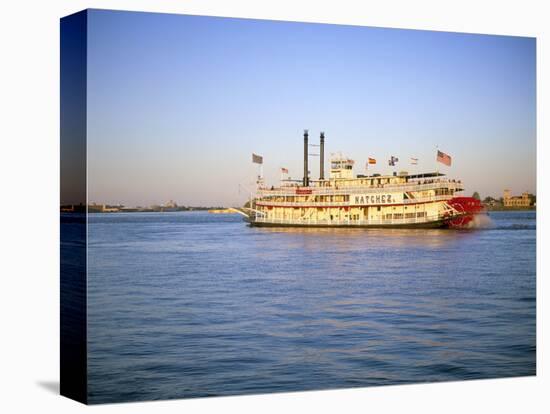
[
  {"x": 348, "y": 204},
  {"x": 382, "y": 188},
  {"x": 349, "y": 222}
]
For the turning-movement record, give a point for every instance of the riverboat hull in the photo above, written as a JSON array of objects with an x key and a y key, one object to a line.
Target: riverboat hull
[{"x": 464, "y": 210}]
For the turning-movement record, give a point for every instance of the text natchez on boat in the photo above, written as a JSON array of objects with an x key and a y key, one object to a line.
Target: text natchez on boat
[{"x": 345, "y": 200}]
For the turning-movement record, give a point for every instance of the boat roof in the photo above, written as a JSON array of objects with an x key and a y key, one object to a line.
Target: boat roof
[
  {"x": 403, "y": 175},
  {"x": 409, "y": 176},
  {"x": 425, "y": 175}
]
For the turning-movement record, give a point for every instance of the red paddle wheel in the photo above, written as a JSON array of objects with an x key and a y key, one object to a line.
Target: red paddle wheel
[{"x": 467, "y": 208}]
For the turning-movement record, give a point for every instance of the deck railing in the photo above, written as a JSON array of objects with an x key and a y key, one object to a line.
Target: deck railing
[
  {"x": 382, "y": 188},
  {"x": 347, "y": 203},
  {"x": 349, "y": 222}
]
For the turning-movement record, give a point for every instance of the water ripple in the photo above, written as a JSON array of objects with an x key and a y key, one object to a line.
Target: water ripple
[{"x": 194, "y": 305}]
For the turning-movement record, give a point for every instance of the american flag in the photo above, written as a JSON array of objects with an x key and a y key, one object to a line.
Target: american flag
[
  {"x": 444, "y": 158},
  {"x": 284, "y": 170},
  {"x": 257, "y": 159}
]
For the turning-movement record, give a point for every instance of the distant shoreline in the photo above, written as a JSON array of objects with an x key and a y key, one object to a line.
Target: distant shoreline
[
  {"x": 531, "y": 208},
  {"x": 82, "y": 209},
  {"x": 170, "y": 210}
]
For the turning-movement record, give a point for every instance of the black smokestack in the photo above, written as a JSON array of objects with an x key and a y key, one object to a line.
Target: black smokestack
[
  {"x": 322, "y": 157},
  {"x": 306, "y": 175}
]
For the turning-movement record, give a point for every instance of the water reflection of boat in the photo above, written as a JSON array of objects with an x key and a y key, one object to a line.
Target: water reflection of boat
[
  {"x": 401, "y": 200},
  {"x": 346, "y": 239}
]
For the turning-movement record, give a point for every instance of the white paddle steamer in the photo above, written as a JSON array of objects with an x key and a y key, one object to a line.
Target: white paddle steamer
[{"x": 346, "y": 200}]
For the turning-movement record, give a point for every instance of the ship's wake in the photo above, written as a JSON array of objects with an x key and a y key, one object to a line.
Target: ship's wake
[
  {"x": 485, "y": 222},
  {"x": 481, "y": 221}
]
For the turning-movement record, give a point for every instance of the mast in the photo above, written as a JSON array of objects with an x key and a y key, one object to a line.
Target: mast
[
  {"x": 322, "y": 157},
  {"x": 306, "y": 175}
]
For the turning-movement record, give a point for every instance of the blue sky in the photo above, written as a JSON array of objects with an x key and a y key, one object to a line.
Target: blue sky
[{"x": 177, "y": 104}]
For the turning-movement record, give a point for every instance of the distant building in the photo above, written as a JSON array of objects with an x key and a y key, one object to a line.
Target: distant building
[
  {"x": 525, "y": 200},
  {"x": 110, "y": 209},
  {"x": 104, "y": 208},
  {"x": 491, "y": 202},
  {"x": 169, "y": 206}
]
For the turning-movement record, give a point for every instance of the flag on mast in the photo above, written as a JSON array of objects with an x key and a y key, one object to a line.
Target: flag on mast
[
  {"x": 372, "y": 160},
  {"x": 444, "y": 158},
  {"x": 284, "y": 170},
  {"x": 257, "y": 159},
  {"x": 414, "y": 161},
  {"x": 392, "y": 161}
]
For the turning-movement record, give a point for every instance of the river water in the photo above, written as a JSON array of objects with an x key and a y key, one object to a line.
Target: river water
[{"x": 191, "y": 304}]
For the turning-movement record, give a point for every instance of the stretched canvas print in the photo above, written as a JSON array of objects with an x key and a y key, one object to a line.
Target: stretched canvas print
[{"x": 253, "y": 206}]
